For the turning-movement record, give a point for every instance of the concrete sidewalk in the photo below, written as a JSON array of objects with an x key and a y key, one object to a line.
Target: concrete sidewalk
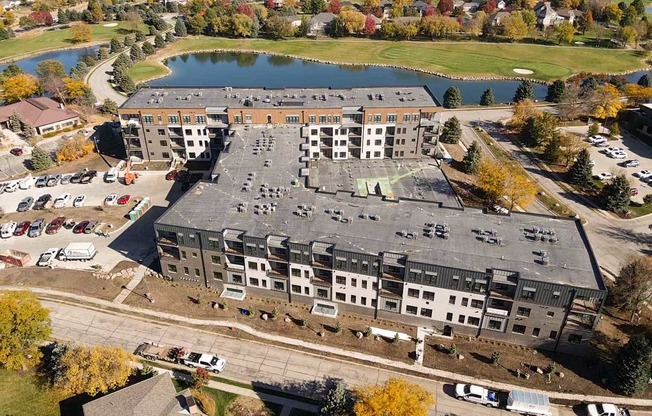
[{"x": 317, "y": 348}]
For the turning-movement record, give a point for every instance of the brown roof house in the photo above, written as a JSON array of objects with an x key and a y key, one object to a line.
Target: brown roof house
[
  {"x": 153, "y": 397},
  {"x": 44, "y": 114}
]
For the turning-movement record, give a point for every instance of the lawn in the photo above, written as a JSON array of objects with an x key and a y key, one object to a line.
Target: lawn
[
  {"x": 146, "y": 71},
  {"x": 454, "y": 58},
  {"x": 20, "y": 395},
  {"x": 56, "y": 39}
]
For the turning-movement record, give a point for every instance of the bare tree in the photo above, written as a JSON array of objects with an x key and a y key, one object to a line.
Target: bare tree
[
  {"x": 55, "y": 86},
  {"x": 571, "y": 145},
  {"x": 572, "y": 105}
]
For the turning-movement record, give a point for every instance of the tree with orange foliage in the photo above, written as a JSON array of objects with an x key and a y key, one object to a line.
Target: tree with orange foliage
[
  {"x": 606, "y": 101},
  {"x": 73, "y": 149},
  {"x": 397, "y": 397}
]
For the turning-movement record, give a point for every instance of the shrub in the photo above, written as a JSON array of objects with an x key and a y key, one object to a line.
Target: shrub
[
  {"x": 338, "y": 328},
  {"x": 495, "y": 358},
  {"x": 396, "y": 339},
  {"x": 452, "y": 350},
  {"x": 274, "y": 314},
  {"x": 303, "y": 322},
  {"x": 367, "y": 332},
  {"x": 204, "y": 401}
]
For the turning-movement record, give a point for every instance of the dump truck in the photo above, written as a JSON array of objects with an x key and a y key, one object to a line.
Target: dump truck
[
  {"x": 528, "y": 403},
  {"x": 156, "y": 352},
  {"x": 15, "y": 257},
  {"x": 78, "y": 251}
]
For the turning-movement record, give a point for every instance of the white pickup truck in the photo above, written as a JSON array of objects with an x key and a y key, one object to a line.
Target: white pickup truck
[
  {"x": 201, "y": 360},
  {"x": 606, "y": 409}
]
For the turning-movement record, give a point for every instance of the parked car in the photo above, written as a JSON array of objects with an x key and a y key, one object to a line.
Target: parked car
[
  {"x": 602, "y": 143},
  {"x": 22, "y": 228},
  {"x": 124, "y": 199},
  {"x": 88, "y": 177},
  {"x": 53, "y": 180},
  {"x": 42, "y": 202},
  {"x": 36, "y": 228},
  {"x": 611, "y": 149},
  {"x": 46, "y": 258},
  {"x": 596, "y": 139},
  {"x": 90, "y": 227},
  {"x": 111, "y": 199},
  {"x": 12, "y": 186},
  {"x": 3, "y": 186},
  {"x": 603, "y": 176},
  {"x": 605, "y": 409},
  {"x": 643, "y": 174},
  {"x": 16, "y": 151},
  {"x": 172, "y": 175},
  {"x": 76, "y": 177},
  {"x": 65, "y": 179},
  {"x": 618, "y": 154},
  {"x": 70, "y": 224},
  {"x": 42, "y": 181},
  {"x": 634, "y": 191},
  {"x": 25, "y": 204},
  {"x": 79, "y": 228},
  {"x": 54, "y": 226},
  {"x": 476, "y": 394},
  {"x": 79, "y": 201},
  {"x": 634, "y": 163},
  {"x": 62, "y": 200},
  {"x": 27, "y": 182},
  {"x": 7, "y": 229}
]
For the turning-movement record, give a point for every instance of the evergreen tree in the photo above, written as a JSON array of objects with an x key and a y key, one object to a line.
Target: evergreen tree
[
  {"x": 452, "y": 131},
  {"x": 180, "y": 29},
  {"x": 617, "y": 194},
  {"x": 102, "y": 53},
  {"x": 487, "y": 98},
  {"x": 123, "y": 60},
  {"x": 304, "y": 26},
  {"x": 338, "y": 401},
  {"x": 136, "y": 53},
  {"x": 552, "y": 152},
  {"x": 338, "y": 28},
  {"x": 127, "y": 84},
  {"x": 129, "y": 41},
  {"x": 452, "y": 98},
  {"x": 140, "y": 36},
  {"x": 524, "y": 91},
  {"x": 472, "y": 158},
  {"x": 644, "y": 81},
  {"x": 148, "y": 49},
  {"x": 109, "y": 106},
  {"x": 632, "y": 367},
  {"x": 556, "y": 91},
  {"x": 115, "y": 46},
  {"x": 169, "y": 37},
  {"x": 62, "y": 16},
  {"x": 153, "y": 31},
  {"x": 594, "y": 129},
  {"x": 614, "y": 130},
  {"x": 159, "y": 42},
  {"x": 89, "y": 60},
  {"x": 15, "y": 122},
  {"x": 581, "y": 171},
  {"x": 119, "y": 72},
  {"x": 41, "y": 160}
]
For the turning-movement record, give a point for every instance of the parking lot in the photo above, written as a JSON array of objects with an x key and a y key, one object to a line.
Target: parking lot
[{"x": 134, "y": 241}]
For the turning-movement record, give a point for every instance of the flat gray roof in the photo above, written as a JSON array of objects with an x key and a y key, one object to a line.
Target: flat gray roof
[
  {"x": 277, "y": 192},
  {"x": 379, "y": 97}
]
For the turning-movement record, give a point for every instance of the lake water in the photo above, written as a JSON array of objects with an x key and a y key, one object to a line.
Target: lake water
[{"x": 68, "y": 58}]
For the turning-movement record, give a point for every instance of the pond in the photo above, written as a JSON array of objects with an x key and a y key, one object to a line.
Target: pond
[{"x": 68, "y": 58}]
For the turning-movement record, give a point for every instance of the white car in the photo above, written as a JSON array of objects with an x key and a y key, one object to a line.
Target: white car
[
  {"x": 62, "y": 200},
  {"x": 476, "y": 394},
  {"x": 612, "y": 149},
  {"x": 12, "y": 186},
  {"x": 644, "y": 174},
  {"x": 606, "y": 409},
  {"x": 111, "y": 199},
  {"x": 634, "y": 163},
  {"x": 603, "y": 176},
  {"x": 46, "y": 259},
  {"x": 79, "y": 201},
  {"x": 618, "y": 155},
  {"x": 596, "y": 139},
  {"x": 601, "y": 143}
]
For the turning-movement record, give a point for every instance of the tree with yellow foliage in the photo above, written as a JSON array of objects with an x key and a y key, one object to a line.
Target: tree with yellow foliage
[
  {"x": 74, "y": 88},
  {"x": 81, "y": 33},
  {"x": 520, "y": 190},
  {"x": 637, "y": 94},
  {"x": 78, "y": 369},
  {"x": 19, "y": 87},
  {"x": 492, "y": 179},
  {"x": 353, "y": 20},
  {"x": 74, "y": 149},
  {"x": 523, "y": 110},
  {"x": 606, "y": 101},
  {"x": 397, "y": 397}
]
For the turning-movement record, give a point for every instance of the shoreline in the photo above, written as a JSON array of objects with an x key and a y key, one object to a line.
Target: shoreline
[
  {"x": 16, "y": 58},
  {"x": 160, "y": 60}
]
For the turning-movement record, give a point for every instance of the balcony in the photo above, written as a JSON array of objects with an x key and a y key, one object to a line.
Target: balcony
[
  {"x": 222, "y": 122},
  {"x": 496, "y": 311},
  {"x": 234, "y": 266},
  {"x": 175, "y": 133},
  {"x": 388, "y": 293},
  {"x": 174, "y": 144},
  {"x": 321, "y": 281},
  {"x": 325, "y": 144},
  {"x": 168, "y": 240},
  {"x": 581, "y": 321},
  {"x": 585, "y": 306}
]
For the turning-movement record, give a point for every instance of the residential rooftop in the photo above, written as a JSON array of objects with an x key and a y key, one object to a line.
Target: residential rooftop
[
  {"x": 222, "y": 97},
  {"x": 266, "y": 194}
]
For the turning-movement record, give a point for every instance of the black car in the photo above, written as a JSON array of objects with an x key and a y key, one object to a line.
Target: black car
[
  {"x": 42, "y": 201},
  {"x": 25, "y": 204},
  {"x": 76, "y": 177},
  {"x": 88, "y": 177}
]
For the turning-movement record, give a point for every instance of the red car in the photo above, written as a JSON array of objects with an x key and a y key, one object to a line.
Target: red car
[
  {"x": 55, "y": 225},
  {"x": 172, "y": 175},
  {"x": 124, "y": 199},
  {"x": 79, "y": 228},
  {"x": 634, "y": 191},
  {"x": 22, "y": 228},
  {"x": 16, "y": 151}
]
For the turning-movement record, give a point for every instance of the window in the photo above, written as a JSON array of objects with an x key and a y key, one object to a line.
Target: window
[
  {"x": 217, "y": 276},
  {"x": 194, "y": 255},
  {"x": 306, "y": 290},
  {"x": 262, "y": 267},
  {"x": 165, "y": 155},
  {"x": 412, "y": 310},
  {"x": 161, "y": 132},
  {"x": 183, "y": 255},
  {"x": 237, "y": 119},
  {"x": 322, "y": 293},
  {"x": 495, "y": 325},
  {"x": 449, "y": 317},
  {"x": 461, "y": 319},
  {"x": 451, "y": 300},
  {"x": 172, "y": 268},
  {"x": 415, "y": 117},
  {"x": 374, "y": 303},
  {"x": 186, "y": 119},
  {"x": 374, "y": 286},
  {"x": 406, "y": 117},
  {"x": 391, "y": 306},
  {"x": 428, "y": 295},
  {"x": 173, "y": 119},
  {"x": 426, "y": 313},
  {"x": 472, "y": 320},
  {"x": 550, "y": 314},
  {"x": 279, "y": 285},
  {"x": 378, "y": 142},
  {"x": 292, "y": 119},
  {"x": 148, "y": 119},
  {"x": 555, "y": 295},
  {"x": 163, "y": 143},
  {"x": 518, "y": 329},
  {"x": 574, "y": 338},
  {"x": 391, "y": 118},
  {"x": 377, "y": 118},
  {"x": 296, "y": 289},
  {"x": 200, "y": 119},
  {"x": 311, "y": 120},
  {"x": 186, "y": 271},
  {"x": 192, "y": 155},
  {"x": 340, "y": 297},
  {"x": 535, "y": 332},
  {"x": 363, "y": 301},
  {"x": 296, "y": 272},
  {"x": 340, "y": 280},
  {"x": 254, "y": 281},
  {"x": 354, "y": 282},
  {"x": 465, "y": 301},
  {"x": 413, "y": 293},
  {"x": 364, "y": 284},
  {"x": 523, "y": 311},
  {"x": 236, "y": 278},
  {"x": 191, "y": 143},
  {"x": 253, "y": 265},
  {"x": 528, "y": 293},
  {"x": 553, "y": 335},
  {"x": 306, "y": 274},
  {"x": 468, "y": 284},
  {"x": 478, "y": 304},
  {"x": 376, "y": 154},
  {"x": 314, "y": 142},
  {"x": 322, "y": 119}
]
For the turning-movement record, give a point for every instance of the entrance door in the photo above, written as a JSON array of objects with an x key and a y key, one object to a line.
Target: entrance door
[{"x": 269, "y": 119}]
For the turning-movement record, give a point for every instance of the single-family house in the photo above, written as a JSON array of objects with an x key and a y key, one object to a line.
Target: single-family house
[
  {"x": 295, "y": 21},
  {"x": 497, "y": 18},
  {"x": 350, "y": 4},
  {"x": 571, "y": 15},
  {"x": 501, "y": 5},
  {"x": 44, "y": 114},
  {"x": 9, "y": 4},
  {"x": 320, "y": 23},
  {"x": 458, "y": 3},
  {"x": 407, "y": 19},
  {"x": 377, "y": 20},
  {"x": 152, "y": 397},
  {"x": 470, "y": 7},
  {"x": 420, "y": 6},
  {"x": 546, "y": 15},
  {"x": 385, "y": 6}
]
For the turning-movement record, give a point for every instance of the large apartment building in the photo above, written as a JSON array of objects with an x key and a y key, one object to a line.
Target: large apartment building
[
  {"x": 382, "y": 238},
  {"x": 361, "y": 123}
]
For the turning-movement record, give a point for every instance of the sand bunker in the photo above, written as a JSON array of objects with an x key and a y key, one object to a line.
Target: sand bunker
[
  {"x": 110, "y": 25},
  {"x": 523, "y": 71}
]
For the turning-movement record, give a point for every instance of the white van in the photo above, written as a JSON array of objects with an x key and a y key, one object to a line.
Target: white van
[
  {"x": 11, "y": 186},
  {"x": 8, "y": 229},
  {"x": 111, "y": 175},
  {"x": 27, "y": 182}
]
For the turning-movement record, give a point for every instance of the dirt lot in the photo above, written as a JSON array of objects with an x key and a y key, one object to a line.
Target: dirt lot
[
  {"x": 462, "y": 183},
  {"x": 108, "y": 214},
  {"x": 179, "y": 299},
  {"x": 92, "y": 161},
  {"x": 79, "y": 282}
]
